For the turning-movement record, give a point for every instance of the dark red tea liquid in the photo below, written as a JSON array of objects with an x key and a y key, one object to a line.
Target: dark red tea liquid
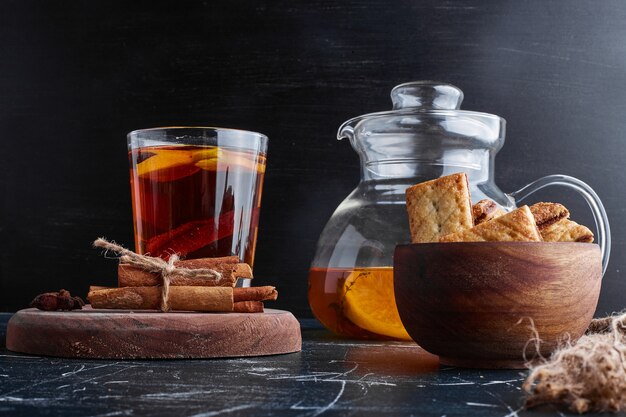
[{"x": 196, "y": 201}]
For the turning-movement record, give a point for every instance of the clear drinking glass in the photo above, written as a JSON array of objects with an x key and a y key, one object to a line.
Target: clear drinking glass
[
  {"x": 424, "y": 137},
  {"x": 196, "y": 191}
]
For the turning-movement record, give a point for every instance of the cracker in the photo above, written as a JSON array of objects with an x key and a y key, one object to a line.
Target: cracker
[
  {"x": 547, "y": 214},
  {"x": 439, "y": 207},
  {"x": 485, "y": 210},
  {"x": 566, "y": 230},
  {"x": 518, "y": 225}
]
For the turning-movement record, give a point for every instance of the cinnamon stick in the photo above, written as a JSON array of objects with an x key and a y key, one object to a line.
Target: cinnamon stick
[
  {"x": 248, "y": 307},
  {"x": 215, "y": 299},
  {"x": 207, "y": 262},
  {"x": 254, "y": 294},
  {"x": 230, "y": 268}
]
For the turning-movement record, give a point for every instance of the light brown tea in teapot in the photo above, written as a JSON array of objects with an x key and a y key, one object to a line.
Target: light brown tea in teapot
[{"x": 356, "y": 302}]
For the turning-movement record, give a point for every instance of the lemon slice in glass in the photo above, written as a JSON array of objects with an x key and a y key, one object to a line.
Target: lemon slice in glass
[{"x": 166, "y": 165}]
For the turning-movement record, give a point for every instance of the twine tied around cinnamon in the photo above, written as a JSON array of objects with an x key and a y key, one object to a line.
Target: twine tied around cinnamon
[{"x": 165, "y": 269}]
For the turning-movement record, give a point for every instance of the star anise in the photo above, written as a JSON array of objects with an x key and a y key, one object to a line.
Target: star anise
[{"x": 52, "y": 301}]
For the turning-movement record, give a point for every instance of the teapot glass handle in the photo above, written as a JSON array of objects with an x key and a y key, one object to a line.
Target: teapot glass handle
[{"x": 599, "y": 214}]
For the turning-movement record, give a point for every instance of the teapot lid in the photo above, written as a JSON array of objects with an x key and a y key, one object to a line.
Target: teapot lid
[
  {"x": 426, "y": 95},
  {"x": 427, "y": 103}
]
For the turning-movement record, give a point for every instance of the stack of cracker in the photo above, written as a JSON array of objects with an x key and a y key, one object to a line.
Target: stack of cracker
[{"x": 441, "y": 211}]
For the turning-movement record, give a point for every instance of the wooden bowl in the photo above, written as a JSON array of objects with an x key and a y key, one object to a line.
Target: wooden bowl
[{"x": 472, "y": 303}]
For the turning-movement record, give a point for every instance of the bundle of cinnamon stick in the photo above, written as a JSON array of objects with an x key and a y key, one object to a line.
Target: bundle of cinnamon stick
[{"x": 141, "y": 289}]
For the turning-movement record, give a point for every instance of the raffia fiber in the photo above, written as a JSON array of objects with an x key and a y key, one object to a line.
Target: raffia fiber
[{"x": 586, "y": 376}]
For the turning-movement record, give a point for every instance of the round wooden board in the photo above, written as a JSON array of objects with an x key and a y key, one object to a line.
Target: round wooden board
[{"x": 123, "y": 334}]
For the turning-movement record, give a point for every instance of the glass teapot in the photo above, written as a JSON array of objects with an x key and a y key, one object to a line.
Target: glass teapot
[{"x": 424, "y": 137}]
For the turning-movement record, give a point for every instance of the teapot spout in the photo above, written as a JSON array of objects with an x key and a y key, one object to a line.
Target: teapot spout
[{"x": 346, "y": 130}]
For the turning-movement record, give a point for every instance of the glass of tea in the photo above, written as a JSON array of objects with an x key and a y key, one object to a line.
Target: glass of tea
[{"x": 196, "y": 191}]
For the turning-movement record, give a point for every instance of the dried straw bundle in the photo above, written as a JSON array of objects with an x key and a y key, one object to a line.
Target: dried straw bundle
[{"x": 589, "y": 375}]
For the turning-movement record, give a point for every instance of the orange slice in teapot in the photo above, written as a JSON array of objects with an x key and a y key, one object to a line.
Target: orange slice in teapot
[{"x": 368, "y": 301}]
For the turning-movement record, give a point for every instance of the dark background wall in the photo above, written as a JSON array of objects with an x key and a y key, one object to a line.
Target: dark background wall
[{"x": 75, "y": 77}]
